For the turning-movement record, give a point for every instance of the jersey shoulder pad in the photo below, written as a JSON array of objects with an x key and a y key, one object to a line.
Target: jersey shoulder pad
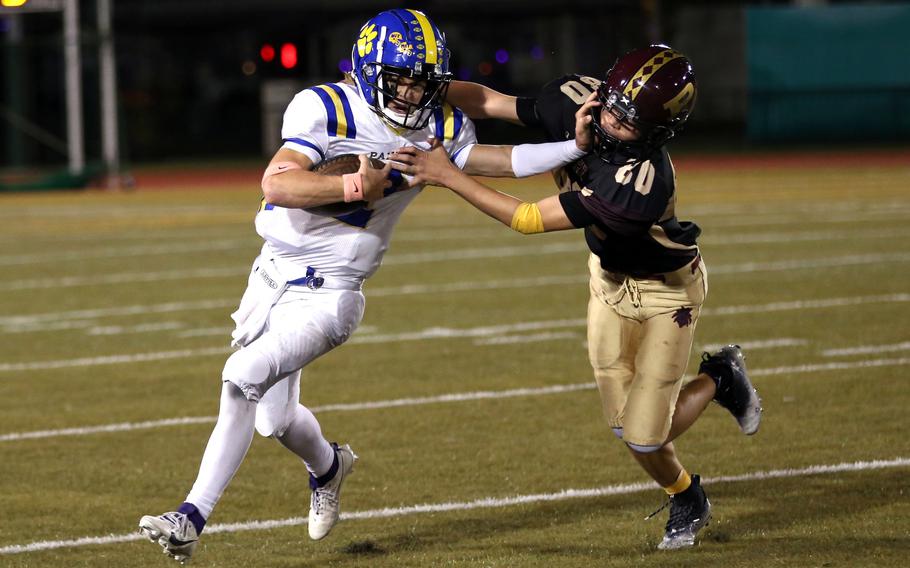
[
  {"x": 304, "y": 126},
  {"x": 336, "y": 104},
  {"x": 559, "y": 101},
  {"x": 449, "y": 122}
]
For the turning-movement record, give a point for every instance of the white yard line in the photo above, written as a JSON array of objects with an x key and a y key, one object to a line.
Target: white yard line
[
  {"x": 140, "y": 309},
  {"x": 108, "y": 211},
  {"x": 803, "y": 264},
  {"x": 802, "y": 220},
  {"x": 528, "y": 338},
  {"x": 866, "y": 349},
  {"x": 576, "y": 245},
  {"x": 137, "y": 250},
  {"x": 115, "y": 359},
  {"x": 195, "y": 245},
  {"x": 818, "y": 367},
  {"x": 763, "y": 344},
  {"x": 31, "y": 284},
  {"x": 801, "y": 236},
  {"x": 419, "y": 401},
  {"x": 408, "y": 289},
  {"x": 806, "y": 304},
  {"x": 443, "y": 332},
  {"x": 250, "y": 243},
  {"x": 485, "y": 503},
  {"x": 450, "y": 333},
  {"x": 141, "y": 328}
]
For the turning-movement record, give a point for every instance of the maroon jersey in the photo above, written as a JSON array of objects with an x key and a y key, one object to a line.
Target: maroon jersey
[{"x": 627, "y": 211}]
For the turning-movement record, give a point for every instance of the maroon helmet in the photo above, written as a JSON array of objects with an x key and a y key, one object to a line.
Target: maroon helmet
[{"x": 653, "y": 89}]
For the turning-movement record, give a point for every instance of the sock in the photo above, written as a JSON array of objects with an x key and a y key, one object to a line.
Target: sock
[
  {"x": 193, "y": 515},
  {"x": 317, "y": 482},
  {"x": 226, "y": 449},
  {"x": 683, "y": 481},
  {"x": 303, "y": 437}
]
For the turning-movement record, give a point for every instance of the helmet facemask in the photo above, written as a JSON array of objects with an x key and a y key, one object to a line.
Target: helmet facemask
[
  {"x": 611, "y": 149},
  {"x": 384, "y": 80}
]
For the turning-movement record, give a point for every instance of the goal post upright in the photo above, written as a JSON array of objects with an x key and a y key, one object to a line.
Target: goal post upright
[
  {"x": 75, "y": 135},
  {"x": 72, "y": 56}
]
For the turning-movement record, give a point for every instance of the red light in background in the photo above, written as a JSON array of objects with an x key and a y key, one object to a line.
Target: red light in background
[
  {"x": 267, "y": 52},
  {"x": 288, "y": 55}
]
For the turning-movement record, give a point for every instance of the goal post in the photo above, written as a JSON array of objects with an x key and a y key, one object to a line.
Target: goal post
[{"x": 73, "y": 68}]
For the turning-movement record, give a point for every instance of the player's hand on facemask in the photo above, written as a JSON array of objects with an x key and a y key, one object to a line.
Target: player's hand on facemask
[
  {"x": 375, "y": 181},
  {"x": 433, "y": 167},
  {"x": 584, "y": 135}
]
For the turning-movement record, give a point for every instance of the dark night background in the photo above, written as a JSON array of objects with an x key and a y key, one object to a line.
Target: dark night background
[{"x": 191, "y": 77}]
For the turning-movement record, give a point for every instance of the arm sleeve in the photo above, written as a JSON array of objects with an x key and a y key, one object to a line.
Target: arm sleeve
[
  {"x": 304, "y": 128},
  {"x": 531, "y": 159}
]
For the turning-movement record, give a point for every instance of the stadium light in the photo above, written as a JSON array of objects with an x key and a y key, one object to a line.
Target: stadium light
[
  {"x": 288, "y": 55},
  {"x": 267, "y": 53},
  {"x": 12, "y": 3}
]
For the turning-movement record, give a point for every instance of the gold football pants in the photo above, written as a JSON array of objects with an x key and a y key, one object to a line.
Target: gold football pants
[{"x": 640, "y": 333}]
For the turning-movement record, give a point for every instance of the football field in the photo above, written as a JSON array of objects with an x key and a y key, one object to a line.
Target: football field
[{"x": 466, "y": 392}]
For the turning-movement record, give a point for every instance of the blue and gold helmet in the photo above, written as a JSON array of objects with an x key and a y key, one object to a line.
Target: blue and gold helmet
[{"x": 395, "y": 44}]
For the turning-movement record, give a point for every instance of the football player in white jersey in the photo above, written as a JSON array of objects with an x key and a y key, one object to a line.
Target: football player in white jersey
[{"x": 304, "y": 293}]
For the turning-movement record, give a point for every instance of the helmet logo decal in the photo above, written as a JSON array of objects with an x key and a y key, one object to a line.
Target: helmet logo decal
[
  {"x": 426, "y": 30},
  {"x": 401, "y": 46},
  {"x": 680, "y": 101},
  {"x": 647, "y": 70},
  {"x": 365, "y": 42}
]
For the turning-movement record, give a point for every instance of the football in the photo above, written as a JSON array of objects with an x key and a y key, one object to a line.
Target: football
[{"x": 340, "y": 165}]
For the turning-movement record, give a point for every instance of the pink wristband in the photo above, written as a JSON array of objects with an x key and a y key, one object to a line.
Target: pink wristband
[{"x": 353, "y": 187}]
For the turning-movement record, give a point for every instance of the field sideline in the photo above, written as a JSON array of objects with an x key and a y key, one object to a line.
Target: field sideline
[{"x": 466, "y": 391}]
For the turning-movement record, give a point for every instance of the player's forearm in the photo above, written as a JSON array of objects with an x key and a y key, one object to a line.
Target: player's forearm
[
  {"x": 302, "y": 188},
  {"x": 497, "y": 205}
]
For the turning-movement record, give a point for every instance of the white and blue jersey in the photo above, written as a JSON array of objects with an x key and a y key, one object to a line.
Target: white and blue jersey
[{"x": 327, "y": 121}]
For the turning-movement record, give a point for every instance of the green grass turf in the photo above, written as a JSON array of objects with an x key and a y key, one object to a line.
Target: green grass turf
[{"x": 841, "y": 229}]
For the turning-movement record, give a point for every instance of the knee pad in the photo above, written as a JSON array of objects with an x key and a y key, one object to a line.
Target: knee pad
[
  {"x": 277, "y": 408},
  {"x": 249, "y": 370},
  {"x": 644, "y": 449},
  {"x": 272, "y": 423}
]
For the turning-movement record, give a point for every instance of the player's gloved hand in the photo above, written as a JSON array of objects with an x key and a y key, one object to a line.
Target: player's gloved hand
[
  {"x": 584, "y": 134},
  {"x": 375, "y": 181},
  {"x": 433, "y": 167}
]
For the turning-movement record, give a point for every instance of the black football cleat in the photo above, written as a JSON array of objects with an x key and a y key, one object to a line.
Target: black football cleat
[
  {"x": 734, "y": 390},
  {"x": 690, "y": 511}
]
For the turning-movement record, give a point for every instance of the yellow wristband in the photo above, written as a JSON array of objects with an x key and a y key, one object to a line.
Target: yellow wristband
[{"x": 527, "y": 219}]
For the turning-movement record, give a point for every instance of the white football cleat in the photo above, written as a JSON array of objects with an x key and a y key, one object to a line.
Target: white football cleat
[
  {"x": 324, "y": 503},
  {"x": 174, "y": 532}
]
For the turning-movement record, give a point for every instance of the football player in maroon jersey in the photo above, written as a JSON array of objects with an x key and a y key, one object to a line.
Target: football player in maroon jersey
[{"x": 648, "y": 279}]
